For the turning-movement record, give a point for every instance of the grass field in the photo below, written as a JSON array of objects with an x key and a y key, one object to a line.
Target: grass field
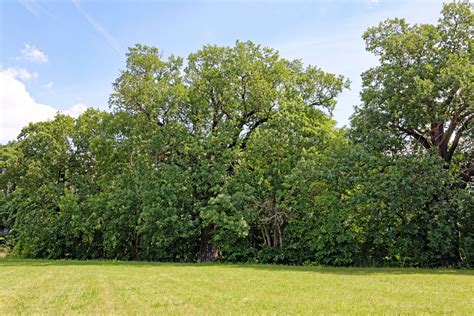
[{"x": 53, "y": 287}]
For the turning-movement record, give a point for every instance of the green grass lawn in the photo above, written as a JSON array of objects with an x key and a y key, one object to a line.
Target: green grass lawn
[{"x": 53, "y": 287}]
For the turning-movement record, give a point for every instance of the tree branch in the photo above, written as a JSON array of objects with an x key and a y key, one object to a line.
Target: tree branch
[
  {"x": 243, "y": 145},
  {"x": 420, "y": 138},
  {"x": 455, "y": 143}
]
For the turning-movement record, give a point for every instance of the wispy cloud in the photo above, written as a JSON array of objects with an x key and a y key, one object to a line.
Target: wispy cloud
[
  {"x": 373, "y": 3},
  {"x": 34, "y": 7},
  {"x": 49, "y": 85},
  {"x": 31, "y": 53},
  {"x": 20, "y": 73},
  {"x": 98, "y": 28}
]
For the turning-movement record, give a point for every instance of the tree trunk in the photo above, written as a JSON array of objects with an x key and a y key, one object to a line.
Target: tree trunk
[{"x": 208, "y": 251}]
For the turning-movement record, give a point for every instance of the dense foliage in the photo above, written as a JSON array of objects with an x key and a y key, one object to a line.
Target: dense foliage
[{"x": 234, "y": 156}]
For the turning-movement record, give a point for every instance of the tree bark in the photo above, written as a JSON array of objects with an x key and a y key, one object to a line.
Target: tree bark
[{"x": 208, "y": 251}]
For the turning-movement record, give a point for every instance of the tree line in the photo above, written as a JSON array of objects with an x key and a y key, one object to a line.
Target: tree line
[{"x": 233, "y": 155}]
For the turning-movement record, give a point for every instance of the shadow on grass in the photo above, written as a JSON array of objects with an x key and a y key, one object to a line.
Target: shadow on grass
[{"x": 12, "y": 262}]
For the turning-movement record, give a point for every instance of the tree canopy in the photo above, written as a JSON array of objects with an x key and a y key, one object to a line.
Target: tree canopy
[
  {"x": 422, "y": 93},
  {"x": 233, "y": 155}
]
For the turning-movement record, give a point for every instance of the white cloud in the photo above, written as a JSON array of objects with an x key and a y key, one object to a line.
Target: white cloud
[
  {"x": 75, "y": 110},
  {"x": 31, "y": 53},
  {"x": 20, "y": 73},
  {"x": 18, "y": 108}
]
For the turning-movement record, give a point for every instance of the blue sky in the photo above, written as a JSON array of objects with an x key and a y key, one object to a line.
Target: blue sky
[{"x": 64, "y": 55}]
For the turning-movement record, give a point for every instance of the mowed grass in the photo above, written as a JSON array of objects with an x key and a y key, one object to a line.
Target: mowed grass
[{"x": 91, "y": 287}]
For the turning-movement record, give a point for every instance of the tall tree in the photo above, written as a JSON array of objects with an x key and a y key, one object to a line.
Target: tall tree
[
  {"x": 221, "y": 98},
  {"x": 421, "y": 95}
]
